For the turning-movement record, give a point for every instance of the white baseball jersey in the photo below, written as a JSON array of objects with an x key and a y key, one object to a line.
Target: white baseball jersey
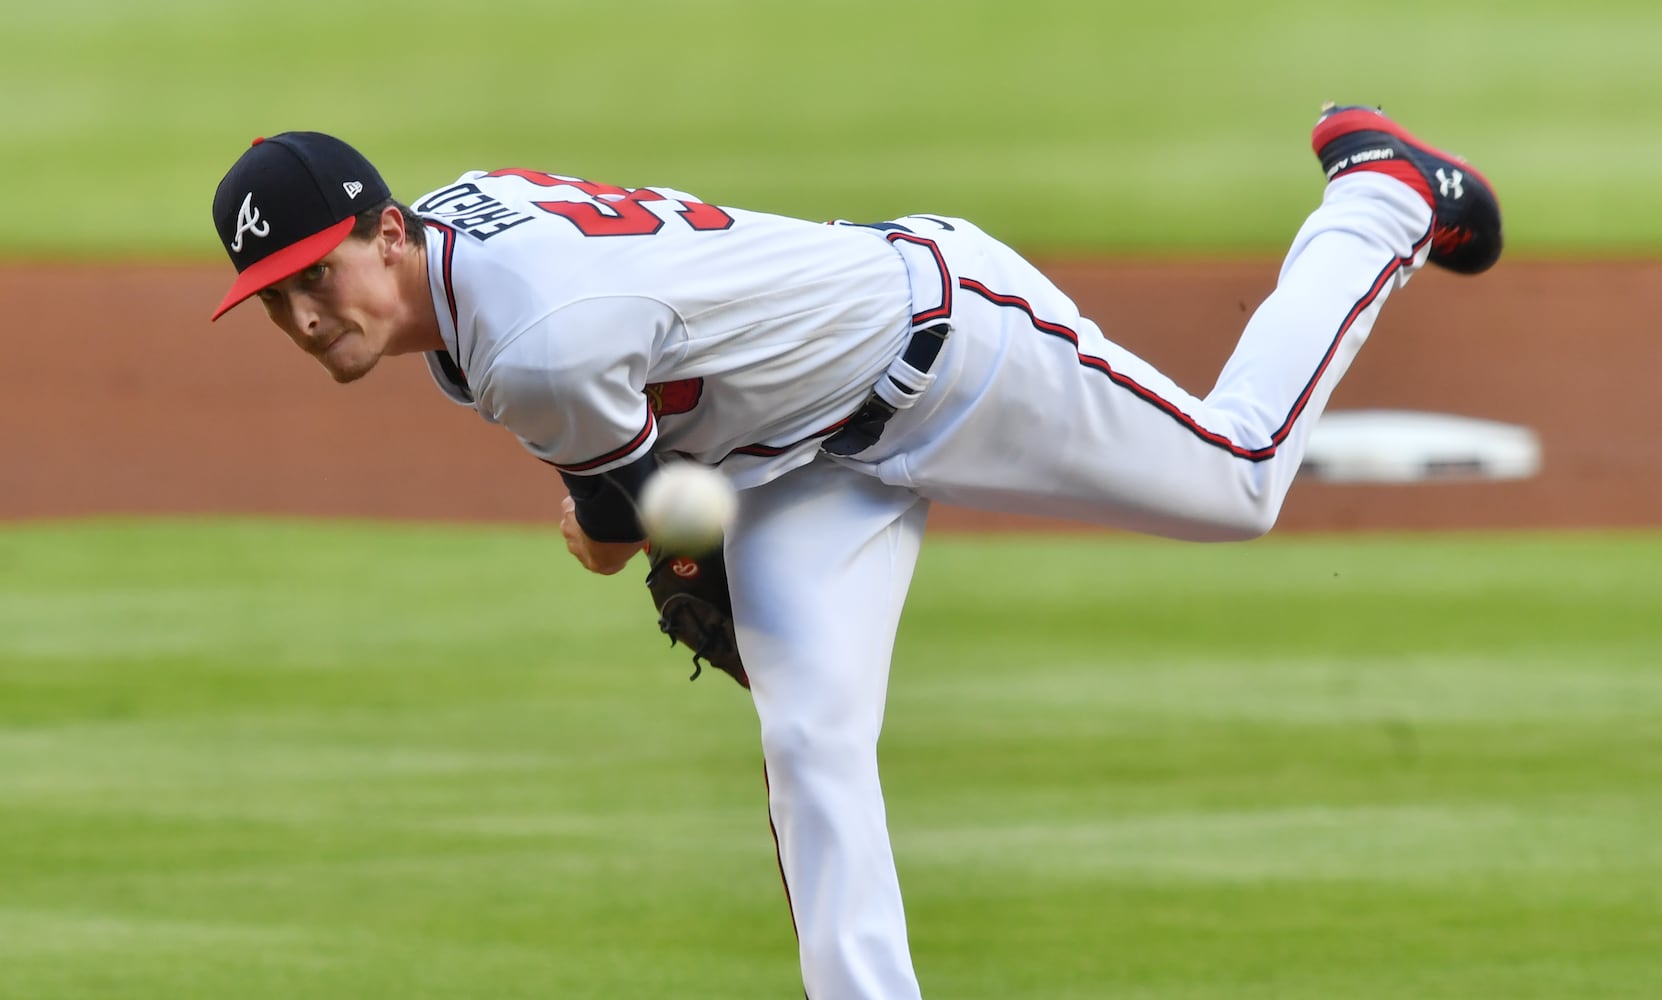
[{"x": 598, "y": 323}]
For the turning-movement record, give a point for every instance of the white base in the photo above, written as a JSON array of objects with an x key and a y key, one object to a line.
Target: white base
[{"x": 1405, "y": 446}]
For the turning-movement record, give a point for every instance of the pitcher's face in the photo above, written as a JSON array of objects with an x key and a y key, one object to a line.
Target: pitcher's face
[{"x": 342, "y": 309}]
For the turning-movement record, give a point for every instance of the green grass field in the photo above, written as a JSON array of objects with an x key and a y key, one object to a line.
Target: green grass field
[
  {"x": 262, "y": 760},
  {"x": 1060, "y": 125}
]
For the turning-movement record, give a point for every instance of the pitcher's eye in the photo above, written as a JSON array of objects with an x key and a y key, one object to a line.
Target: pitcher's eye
[{"x": 314, "y": 274}]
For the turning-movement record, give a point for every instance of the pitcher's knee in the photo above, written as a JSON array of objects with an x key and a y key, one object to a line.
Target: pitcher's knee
[
  {"x": 794, "y": 748},
  {"x": 1255, "y": 522},
  {"x": 1251, "y": 517}
]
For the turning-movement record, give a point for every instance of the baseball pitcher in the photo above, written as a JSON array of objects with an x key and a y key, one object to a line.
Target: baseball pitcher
[{"x": 843, "y": 377}]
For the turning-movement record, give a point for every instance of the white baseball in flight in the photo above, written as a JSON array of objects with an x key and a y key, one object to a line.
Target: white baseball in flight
[{"x": 686, "y": 508}]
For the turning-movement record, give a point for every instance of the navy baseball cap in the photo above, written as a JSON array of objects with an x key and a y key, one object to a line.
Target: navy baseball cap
[{"x": 287, "y": 202}]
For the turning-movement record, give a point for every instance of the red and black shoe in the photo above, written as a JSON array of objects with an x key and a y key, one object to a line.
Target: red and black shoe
[{"x": 1465, "y": 234}]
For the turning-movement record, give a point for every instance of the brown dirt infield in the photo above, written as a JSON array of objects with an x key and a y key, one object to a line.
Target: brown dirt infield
[{"x": 122, "y": 399}]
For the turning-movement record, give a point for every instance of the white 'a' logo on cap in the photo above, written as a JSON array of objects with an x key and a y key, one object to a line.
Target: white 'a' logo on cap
[
  {"x": 353, "y": 189},
  {"x": 248, "y": 221}
]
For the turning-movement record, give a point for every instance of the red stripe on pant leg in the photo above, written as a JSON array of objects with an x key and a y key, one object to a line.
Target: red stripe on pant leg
[
  {"x": 1361, "y": 306},
  {"x": 1118, "y": 378},
  {"x": 1171, "y": 409},
  {"x": 779, "y": 858}
]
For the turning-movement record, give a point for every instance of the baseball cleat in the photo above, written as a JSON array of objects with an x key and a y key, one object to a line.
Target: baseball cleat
[{"x": 1466, "y": 233}]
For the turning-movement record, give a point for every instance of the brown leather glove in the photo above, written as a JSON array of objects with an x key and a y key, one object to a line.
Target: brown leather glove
[{"x": 694, "y": 608}]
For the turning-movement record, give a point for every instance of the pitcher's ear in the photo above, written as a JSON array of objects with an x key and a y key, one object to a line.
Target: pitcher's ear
[{"x": 394, "y": 234}]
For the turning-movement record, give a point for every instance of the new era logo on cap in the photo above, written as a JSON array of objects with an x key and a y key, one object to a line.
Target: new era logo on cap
[{"x": 286, "y": 203}]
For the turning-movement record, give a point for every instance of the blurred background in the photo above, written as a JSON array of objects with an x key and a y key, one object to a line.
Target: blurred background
[
  {"x": 300, "y": 694},
  {"x": 1157, "y": 165}
]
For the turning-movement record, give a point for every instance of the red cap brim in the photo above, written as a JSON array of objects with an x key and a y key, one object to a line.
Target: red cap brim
[{"x": 290, "y": 260}]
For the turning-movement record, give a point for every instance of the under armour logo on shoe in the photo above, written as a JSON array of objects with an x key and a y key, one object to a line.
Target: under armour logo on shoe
[
  {"x": 248, "y": 221},
  {"x": 1448, "y": 182},
  {"x": 353, "y": 189}
]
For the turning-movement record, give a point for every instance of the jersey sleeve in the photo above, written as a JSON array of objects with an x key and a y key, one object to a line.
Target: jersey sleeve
[{"x": 571, "y": 385}]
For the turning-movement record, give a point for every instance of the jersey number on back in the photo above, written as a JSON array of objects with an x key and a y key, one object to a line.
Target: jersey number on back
[{"x": 618, "y": 211}]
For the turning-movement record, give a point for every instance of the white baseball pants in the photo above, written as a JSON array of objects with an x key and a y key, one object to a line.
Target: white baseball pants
[{"x": 1030, "y": 409}]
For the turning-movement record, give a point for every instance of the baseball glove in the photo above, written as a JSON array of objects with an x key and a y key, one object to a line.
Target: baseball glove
[{"x": 694, "y": 608}]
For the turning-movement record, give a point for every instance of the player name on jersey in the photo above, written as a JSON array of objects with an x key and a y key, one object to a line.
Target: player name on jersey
[{"x": 470, "y": 210}]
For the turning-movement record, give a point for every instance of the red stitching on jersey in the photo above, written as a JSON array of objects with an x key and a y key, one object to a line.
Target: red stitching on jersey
[
  {"x": 770, "y": 450},
  {"x": 612, "y": 456},
  {"x": 449, "y": 235}
]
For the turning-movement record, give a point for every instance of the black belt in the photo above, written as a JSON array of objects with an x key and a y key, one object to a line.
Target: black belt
[{"x": 866, "y": 425}]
